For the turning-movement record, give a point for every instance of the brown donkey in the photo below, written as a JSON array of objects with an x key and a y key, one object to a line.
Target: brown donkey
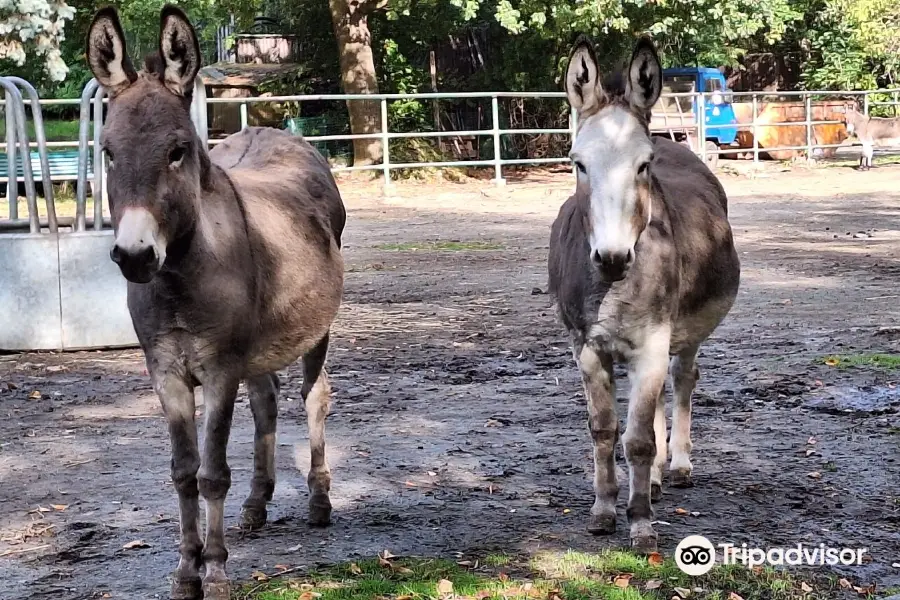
[
  {"x": 234, "y": 271},
  {"x": 643, "y": 268}
]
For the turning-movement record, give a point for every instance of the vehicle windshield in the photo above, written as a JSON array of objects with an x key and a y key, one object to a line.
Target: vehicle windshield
[{"x": 677, "y": 84}]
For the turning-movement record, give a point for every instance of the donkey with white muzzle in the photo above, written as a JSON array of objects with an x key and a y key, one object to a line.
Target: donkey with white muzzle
[{"x": 643, "y": 267}]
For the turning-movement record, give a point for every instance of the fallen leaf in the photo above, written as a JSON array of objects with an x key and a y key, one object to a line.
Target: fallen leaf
[
  {"x": 282, "y": 567},
  {"x": 354, "y": 568},
  {"x": 464, "y": 563},
  {"x": 733, "y": 596},
  {"x": 295, "y": 548},
  {"x": 432, "y": 474},
  {"x": 493, "y": 423},
  {"x": 35, "y": 395},
  {"x": 622, "y": 581},
  {"x": 503, "y": 577},
  {"x": 135, "y": 544},
  {"x": 655, "y": 558},
  {"x": 832, "y": 362},
  {"x": 653, "y": 584},
  {"x": 812, "y": 441},
  {"x": 845, "y": 584},
  {"x": 386, "y": 555},
  {"x": 695, "y": 514},
  {"x": 406, "y": 597},
  {"x": 680, "y": 511},
  {"x": 309, "y": 596},
  {"x": 805, "y": 587},
  {"x": 814, "y": 475},
  {"x": 567, "y": 511},
  {"x": 259, "y": 576},
  {"x": 59, "y": 507},
  {"x": 385, "y": 563},
  {"x": 682, "y": 592},
  {"x": 445, "y": 587},
  {"x": 810, "y": 452}
]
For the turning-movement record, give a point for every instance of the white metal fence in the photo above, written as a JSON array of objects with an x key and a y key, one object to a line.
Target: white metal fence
[{"x": 496, "y": 132}]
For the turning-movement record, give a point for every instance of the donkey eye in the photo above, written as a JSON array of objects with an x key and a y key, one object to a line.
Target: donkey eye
[
  {"x": 109, "y": 155},
  {"x": 580, "y": 167},
  {"x": 176, "y": 154},
  {"x": 642, "y": 170}
]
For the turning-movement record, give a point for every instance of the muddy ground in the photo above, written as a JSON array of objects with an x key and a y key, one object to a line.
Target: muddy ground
[{"x": 459, "y": 423}]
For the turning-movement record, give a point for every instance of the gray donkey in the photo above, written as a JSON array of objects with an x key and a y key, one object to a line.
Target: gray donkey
[
  {"x": 871, "y": 132},
  {"x": 234, "y": 271},
  {"x": 642, "y": 267}
]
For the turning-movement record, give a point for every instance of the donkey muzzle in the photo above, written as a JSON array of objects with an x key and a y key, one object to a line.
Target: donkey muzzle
[
  {"x": 612, "y": 266},
  {"x": 138, "y": 266}
]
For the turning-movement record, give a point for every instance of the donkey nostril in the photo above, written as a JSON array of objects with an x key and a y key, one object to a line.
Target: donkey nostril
[
  {"x": 115, "y": 254},
  {"x": 630, "y": 259},
  {"x": 596, "y": 258}
]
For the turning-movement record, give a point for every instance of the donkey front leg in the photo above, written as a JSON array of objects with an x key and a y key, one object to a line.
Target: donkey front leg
[
  {"x": 177, "y": 398},
  {"x": 219, "y": 391},
  {"x": 647, "y": 373},
  {"x": 684, "y": 377},
  {"x": 659, "y": 461},
  {"x": 316, "y": 392},
  {"x": 603, "y": 423},
  {"x": 263, "y": 393}
]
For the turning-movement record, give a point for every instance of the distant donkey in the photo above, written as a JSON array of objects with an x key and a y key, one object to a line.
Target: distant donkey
[
  {"x": 642, "y": 266},
  {"x": 871, "y": 132},
  {"x": 234, "y": 269}
]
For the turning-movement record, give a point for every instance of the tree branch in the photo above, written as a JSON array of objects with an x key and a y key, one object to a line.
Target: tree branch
[{"x": 366, "y": 7}]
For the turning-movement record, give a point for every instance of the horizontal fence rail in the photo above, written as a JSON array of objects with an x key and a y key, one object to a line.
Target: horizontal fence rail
[{"x": 684, "y": 124}]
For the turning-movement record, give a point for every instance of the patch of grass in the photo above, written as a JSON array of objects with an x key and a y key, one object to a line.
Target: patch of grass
[
  {"x": 608, "y": 575},
  {"x": 889, "y": 362},
  {"x": 497, "y": 560},
  {"x": 54, "y": 130},
  {"x": 440, "y": 246}
]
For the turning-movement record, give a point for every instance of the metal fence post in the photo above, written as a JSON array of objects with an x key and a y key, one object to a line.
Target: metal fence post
[
  {"x": 573, "y": 119},
  {"x": 701, "y": 126},
  {"x": 385, "y": 144},
  {"x": 495, "y": 119},
  {"x": 866, "y": 103},
  {"x": 896, "y": 102},
  {"x": 12, "y": 181},
  {"x": 809, "y": 130},
  {"x": 755, "y": 139},
  {"x": 99, "y": 160},
  {"x": 245, "y": 119},
  {"x": 84, "y": 123}
]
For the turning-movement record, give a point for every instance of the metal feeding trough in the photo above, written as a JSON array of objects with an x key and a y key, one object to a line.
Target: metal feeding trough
[{"x": 58, "y": 288}]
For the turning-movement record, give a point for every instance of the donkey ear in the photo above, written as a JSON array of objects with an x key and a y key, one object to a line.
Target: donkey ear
[
  {"x": 644, "y": 82},
  {"x": 583, "y": 77},
  {"x": 106, "y": 52},
  {"x": 179, "y": 50}
]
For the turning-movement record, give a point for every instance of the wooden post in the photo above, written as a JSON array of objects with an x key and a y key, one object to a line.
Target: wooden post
[{"x": 434, "y": 103}]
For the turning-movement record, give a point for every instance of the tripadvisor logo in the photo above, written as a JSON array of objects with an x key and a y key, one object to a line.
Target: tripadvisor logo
[{"x": 695, "y": 555}]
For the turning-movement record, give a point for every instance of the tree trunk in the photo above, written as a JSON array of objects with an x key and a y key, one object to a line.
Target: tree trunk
[{"x": 351, "y": 28}]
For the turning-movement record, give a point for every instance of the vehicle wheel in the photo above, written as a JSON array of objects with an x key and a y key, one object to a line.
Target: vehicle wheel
[{"x": 712, "y": 160}]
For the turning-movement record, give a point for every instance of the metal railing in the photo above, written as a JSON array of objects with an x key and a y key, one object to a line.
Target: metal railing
[{"x": 93, "y": 99}]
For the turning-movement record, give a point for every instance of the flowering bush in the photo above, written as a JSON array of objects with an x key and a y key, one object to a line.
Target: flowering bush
[{"x": 35, "y": 28}]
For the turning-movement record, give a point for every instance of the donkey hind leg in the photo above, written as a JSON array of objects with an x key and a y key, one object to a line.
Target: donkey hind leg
[
  {"x": 263, "y": 391},
  {"x": 684, "y": 377},
  {"x": 316, "y": 392},
  {"x": 647, "y": 373},
  {"x": 219, "y": 391},
  {"x": 603, "y": 423},
  {"x": 659, "y": 460},
  {"x": 177, "y": 398}
]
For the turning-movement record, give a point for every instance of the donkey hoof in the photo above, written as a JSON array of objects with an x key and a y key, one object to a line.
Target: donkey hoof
[
  {"x": 319, "y": 511},
  {"x": 186, "y": 589},
  {"x": 216, "y": 590},
  {"x": 253, "y": 517},
  {"x": 655, "y": 492},
  {"x": 602, "y": 524},
  {"x": 644, "y": 544},
  {"x": 681, "y": 478}
]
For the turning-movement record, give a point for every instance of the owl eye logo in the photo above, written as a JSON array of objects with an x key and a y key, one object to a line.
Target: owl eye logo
[{"x": 695, "y": 555}]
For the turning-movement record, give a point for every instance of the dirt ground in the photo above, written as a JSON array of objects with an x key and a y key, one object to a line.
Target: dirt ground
[{"x": 459, "y": 425}]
